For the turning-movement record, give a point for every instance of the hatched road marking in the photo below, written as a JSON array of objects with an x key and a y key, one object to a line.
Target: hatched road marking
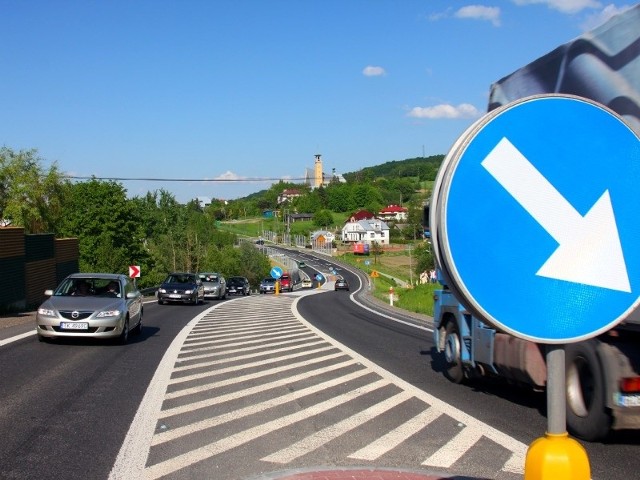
[{"x": 251, "y": 373}]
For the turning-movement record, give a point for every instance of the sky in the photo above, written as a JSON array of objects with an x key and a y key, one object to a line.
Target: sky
[{"x": 223, "y": 98}]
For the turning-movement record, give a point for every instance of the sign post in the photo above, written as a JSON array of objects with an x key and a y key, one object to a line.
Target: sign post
[
  {"x": 536, "y": 239},
  {"x": 276, "y": 272}
]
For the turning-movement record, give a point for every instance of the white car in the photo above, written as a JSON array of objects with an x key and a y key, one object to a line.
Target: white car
[{"x": 307, "y": 283}]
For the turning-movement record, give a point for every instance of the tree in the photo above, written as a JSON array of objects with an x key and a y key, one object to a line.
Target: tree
[
  {"x": 323, "y": 218},
  {"x": 30, "y": 196},
  {"x": 107, "y": 225},
  {"x": 424, "y": 257},
  {"x": 376, "y": 250}
]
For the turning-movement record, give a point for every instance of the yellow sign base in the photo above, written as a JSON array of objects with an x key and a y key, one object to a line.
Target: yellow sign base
[{"x": 556, "y": 457}]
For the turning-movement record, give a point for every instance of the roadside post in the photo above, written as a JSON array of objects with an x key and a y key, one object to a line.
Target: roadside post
[
  {"x": 276, "y": 273},
  {"x": 391, "y": 296},
  {"x": 561, "y": 252},
  {"x": 318, "y": 278}
]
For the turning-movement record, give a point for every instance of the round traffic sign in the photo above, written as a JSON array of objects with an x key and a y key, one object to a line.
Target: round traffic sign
[
  {"x": 276, "y": 272},
  {"x": 536, "y": 219}
]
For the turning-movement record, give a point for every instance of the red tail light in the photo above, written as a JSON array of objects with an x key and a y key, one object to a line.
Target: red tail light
[{"x": 630, "y": 385}]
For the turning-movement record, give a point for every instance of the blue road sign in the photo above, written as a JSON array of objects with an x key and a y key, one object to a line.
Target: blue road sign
[
  {"x": 538, "y": 219},
  {"x": 276, "y": 272},
  {"x": 318, "y": 277}
]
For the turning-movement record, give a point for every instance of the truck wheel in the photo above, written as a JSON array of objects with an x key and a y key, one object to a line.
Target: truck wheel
[
  {"x": 453, "y": 368},
  {"x": 587, "y": 417}
]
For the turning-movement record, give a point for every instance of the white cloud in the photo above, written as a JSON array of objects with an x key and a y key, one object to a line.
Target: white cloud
[
  {"x": 596, "y": 19},
  {"x": 564, "y": 6},
  {"x": 480, "y": 12},
  {"x": 371, "y": 71},
  {"x": 229, "y": 175},
  {"x": 464, "y": 110}
]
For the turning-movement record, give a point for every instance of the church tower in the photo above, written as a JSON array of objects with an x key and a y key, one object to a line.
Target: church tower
[{"x": 318, "y": 175}]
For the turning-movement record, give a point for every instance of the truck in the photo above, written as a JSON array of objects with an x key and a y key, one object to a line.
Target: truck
[{"x": 602, "y": 373}]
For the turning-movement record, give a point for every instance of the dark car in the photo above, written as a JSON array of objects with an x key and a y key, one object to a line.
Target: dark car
[
  {"x": 238, "y": 286},
  {"x": 98, "y": 305},
  {"x": 182, "y": 288},
  {"x": 215, "y": 285},
  {"x": 268, "y": 285},
  {"x": 341, "y": 284}
]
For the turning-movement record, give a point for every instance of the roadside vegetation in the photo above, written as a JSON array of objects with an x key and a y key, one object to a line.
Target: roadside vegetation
[{"x": 160, "y": 234}]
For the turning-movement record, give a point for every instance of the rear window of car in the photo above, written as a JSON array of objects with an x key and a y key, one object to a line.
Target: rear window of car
[{"x": 209, "y": 278}]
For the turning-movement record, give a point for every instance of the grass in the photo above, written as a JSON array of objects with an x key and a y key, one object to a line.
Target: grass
[{"x": 417, "y": 298}]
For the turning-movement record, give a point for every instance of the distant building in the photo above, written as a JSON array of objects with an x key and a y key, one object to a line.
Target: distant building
[
  {"x": 361, "y": 215},
  {"x": 298, "y": 217},
  {"x": 394, "y": 213},
  {"x": 321, "y": 237},
  {"x": 315, "y": 177},
  {"x": 366, "y": 231},
  {"x": 288, "y": 194},
  {"x": 203, "y": 201}
]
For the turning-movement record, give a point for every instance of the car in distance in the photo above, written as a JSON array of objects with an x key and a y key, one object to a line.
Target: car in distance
[
  {"x": 98, "y": 305},
  {"x": 301, "y": 264},
  {"x": 215, "y": 285},
  {"x": 238, "y": 286},
  {"x": 181, "y": 287},
  {"x": 268, "y": 285},
  {"x": 341, "y": 284},
  {"x": 307, "y": 283}
]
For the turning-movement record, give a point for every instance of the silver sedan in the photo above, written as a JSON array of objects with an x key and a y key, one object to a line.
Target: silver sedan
[{"x": 99, "y": 305}]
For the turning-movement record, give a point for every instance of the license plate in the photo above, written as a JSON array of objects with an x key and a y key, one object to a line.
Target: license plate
[
  {"x": 175, "y": 295},
  {"x": 628, "y": 400},
  {"x": 74, "y": 325}
]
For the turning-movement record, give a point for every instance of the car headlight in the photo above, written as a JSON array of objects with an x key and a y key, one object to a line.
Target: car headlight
[
  {"x": 188, "y": 292},
  {"x": 162, "y": 290},
  {"x": 47, "y": 312},
  {"x": 108, "y": 313}
]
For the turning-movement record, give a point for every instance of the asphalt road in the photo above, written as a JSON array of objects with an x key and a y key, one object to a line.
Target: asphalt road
[{"x": 67, "y": 407}]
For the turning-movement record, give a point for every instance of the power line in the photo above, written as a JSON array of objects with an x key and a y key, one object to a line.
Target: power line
[{"x": 144, "y": 179}]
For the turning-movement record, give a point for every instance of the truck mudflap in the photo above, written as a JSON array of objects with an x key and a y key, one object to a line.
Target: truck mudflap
[{"x": 519, "y": 360}]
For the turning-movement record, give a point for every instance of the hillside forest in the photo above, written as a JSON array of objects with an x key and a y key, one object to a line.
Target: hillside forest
[{"x": 160, "y": 234}]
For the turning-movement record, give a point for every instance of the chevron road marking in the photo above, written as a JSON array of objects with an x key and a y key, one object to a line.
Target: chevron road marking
[{"x": 229, "y": 356}]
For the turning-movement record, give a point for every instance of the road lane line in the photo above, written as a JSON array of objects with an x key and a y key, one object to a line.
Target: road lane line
[
  {"x": 132, "y": 457},
  {"x": 244, "y": 366},
  {"x": 251, "y": 376},
  {"x": 174, "y": 433},
  {"x": 395, "y": 437},
  {"x": 217, "y": 352},
  {"x": 321, "y": 437},
  {"x": 232, "y": 441},
  {"x": 248, "y": 356},
  {"x": 308, "y": 374},
  {"x": 450, "y": 453}
]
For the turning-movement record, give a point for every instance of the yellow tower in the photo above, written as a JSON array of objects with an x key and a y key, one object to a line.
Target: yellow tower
[{"x": 318, "y": 175}]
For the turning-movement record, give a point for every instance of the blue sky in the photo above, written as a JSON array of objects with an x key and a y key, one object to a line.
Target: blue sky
[{"x": 253, "y": 89}]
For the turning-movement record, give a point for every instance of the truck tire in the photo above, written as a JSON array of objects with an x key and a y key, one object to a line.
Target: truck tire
[
  {"x": 587, "y": 416},
  {"x": 452, "y": 344}
]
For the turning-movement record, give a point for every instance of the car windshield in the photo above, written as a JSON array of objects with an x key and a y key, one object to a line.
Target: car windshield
[
  {"x": 236, "y": 281},
  {"x": 176, "y": 278},
  {"x": 89, "y": 287},
  {"x": 269, "y": 280}
]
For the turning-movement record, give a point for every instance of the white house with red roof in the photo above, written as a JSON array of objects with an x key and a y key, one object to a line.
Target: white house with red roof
[{"x": 394, "y": 213}]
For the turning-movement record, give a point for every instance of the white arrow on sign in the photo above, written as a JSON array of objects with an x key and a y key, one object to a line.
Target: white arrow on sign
[{"x": 589, "y": 250}]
